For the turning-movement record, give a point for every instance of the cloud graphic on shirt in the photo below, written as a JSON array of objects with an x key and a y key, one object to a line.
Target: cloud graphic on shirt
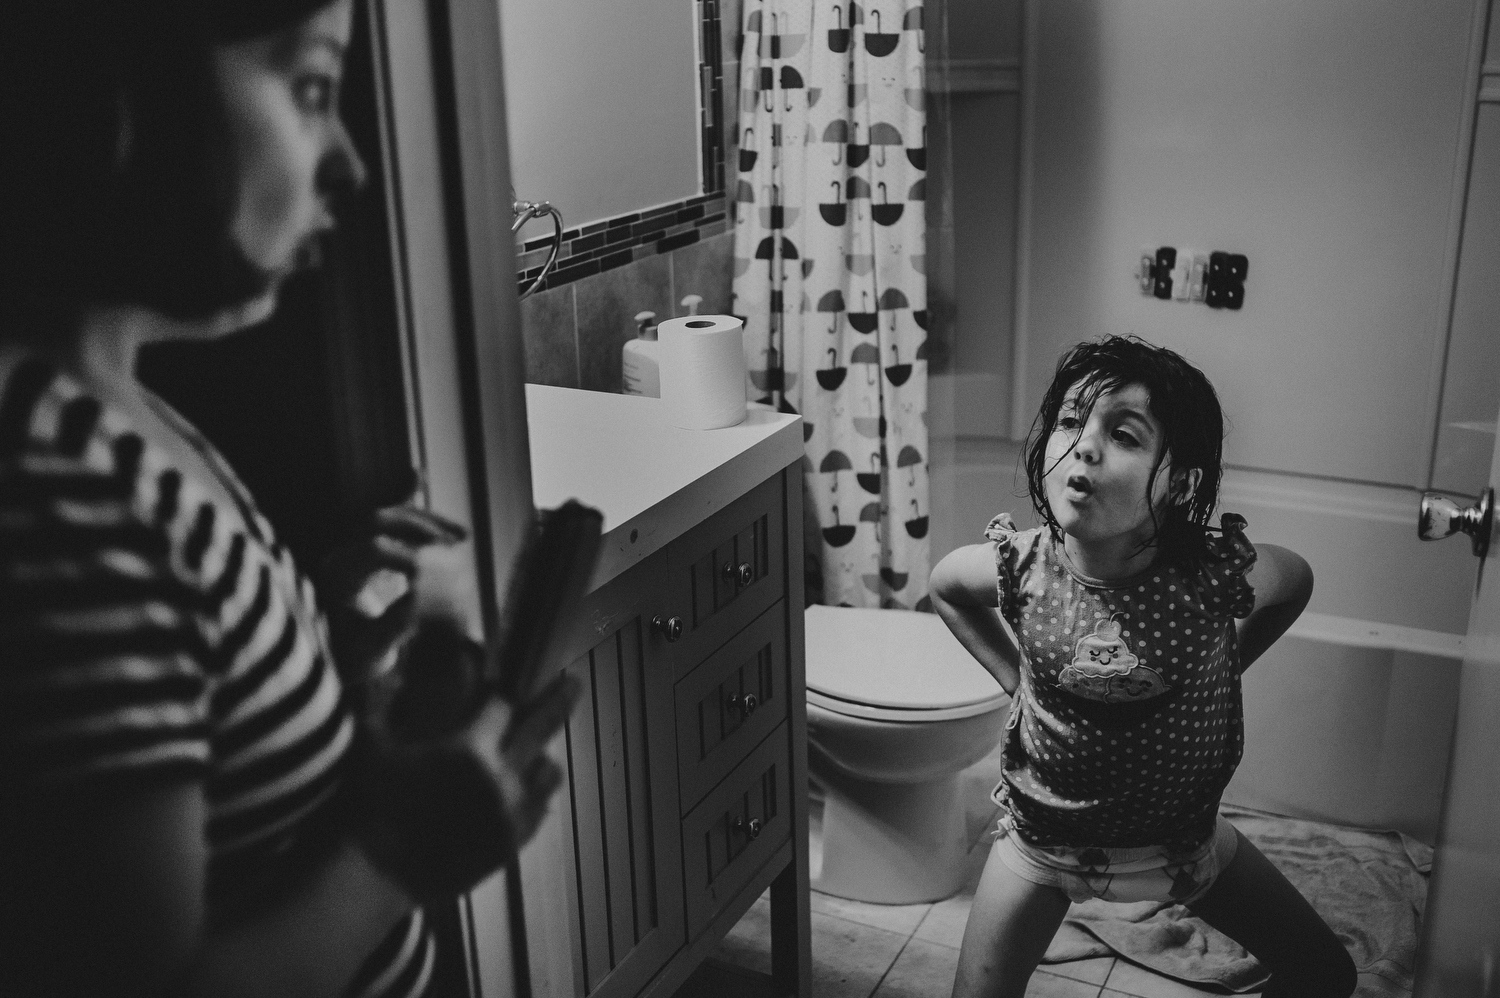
[{"x": 1105, "y": 669}]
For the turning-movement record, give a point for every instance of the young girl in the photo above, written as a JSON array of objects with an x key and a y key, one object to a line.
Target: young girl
[{"x": 1132, "y": 623}]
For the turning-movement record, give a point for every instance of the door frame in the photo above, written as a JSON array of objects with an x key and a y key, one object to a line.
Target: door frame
[{"x": 444, "y": 150}]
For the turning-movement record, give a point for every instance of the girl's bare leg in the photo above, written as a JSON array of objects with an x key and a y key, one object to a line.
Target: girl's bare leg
[
  {"x": 1009, "y": 927},
  {"x": 1257, "y": 907}
]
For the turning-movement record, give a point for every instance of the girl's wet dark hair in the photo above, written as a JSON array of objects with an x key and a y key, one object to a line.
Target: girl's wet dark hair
[
  {"x": 1183, "y": 402},
  {"x": 116, "y": 173}
]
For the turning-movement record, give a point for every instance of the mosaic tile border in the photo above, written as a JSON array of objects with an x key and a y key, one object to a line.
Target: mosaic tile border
[
  {"x": 614, "y": 242},
  {"x": 711, "y": 95}
]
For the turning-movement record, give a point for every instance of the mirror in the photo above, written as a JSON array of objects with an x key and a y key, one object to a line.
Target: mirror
[
  {"x": 603, "y": 105},
  {"x": 618, "y": 120}
]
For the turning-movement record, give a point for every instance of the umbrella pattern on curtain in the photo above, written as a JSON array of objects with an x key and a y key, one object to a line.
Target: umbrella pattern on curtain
[{"x": 830, "y": 273}]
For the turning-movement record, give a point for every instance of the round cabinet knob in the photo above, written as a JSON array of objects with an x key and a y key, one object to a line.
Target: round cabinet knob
[
  {"x": 741, "y": 575},
  {"x": 668, "y": 627},
  {"x": 750, "y": 828},
  {"x": 744, "y": 704},
  {"x": 1442, "y": 517}
]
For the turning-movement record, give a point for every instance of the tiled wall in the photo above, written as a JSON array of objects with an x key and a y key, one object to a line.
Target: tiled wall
[
  {"x": 574, "y": 333},
  {"x": 614, "y": 242}
]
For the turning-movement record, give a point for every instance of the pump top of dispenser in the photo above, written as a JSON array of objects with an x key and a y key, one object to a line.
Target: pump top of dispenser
[
  {"x": 646, "y": 325},
  {"x": 691, "y": 303}
]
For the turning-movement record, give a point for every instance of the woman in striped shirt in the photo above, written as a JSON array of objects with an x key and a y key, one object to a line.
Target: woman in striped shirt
[{"x": 188, "y": 804}]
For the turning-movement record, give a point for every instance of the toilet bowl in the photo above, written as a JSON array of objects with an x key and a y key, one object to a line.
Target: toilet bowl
[{"x": 896, "y": 710}]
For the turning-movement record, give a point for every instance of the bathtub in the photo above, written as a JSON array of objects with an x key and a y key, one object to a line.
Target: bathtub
[
  {"x": 1351, "y": 721},
  {"x": 1349, "y": 717}
]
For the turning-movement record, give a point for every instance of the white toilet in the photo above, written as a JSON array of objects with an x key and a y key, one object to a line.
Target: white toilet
[{"x": 896, "y": 709}]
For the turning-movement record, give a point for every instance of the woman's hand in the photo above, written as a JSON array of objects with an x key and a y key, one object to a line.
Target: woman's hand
[
  {"x": 451, "y": 781},
  {"x": 526, "y": 777},
  {"x": 369, "y": 587}
]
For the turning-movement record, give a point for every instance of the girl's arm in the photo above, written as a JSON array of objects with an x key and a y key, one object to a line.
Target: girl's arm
[
  {"x": 1283, "y": 584},
  {"x": 964, "y": 593}
]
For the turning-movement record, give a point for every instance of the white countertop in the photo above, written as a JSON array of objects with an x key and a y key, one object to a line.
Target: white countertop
[{"x": 652, "y": 481}]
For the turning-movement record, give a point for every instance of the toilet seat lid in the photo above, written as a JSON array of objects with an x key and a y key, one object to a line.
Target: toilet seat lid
[{"x": 898, "y": 660}]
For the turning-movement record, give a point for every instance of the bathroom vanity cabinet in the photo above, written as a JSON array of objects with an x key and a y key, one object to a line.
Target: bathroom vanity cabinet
[{"x": 686, "y": 759}]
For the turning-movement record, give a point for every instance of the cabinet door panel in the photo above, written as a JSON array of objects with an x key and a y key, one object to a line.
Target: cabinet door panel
[
  {"x": 704, "y": 571},
  {"x": 588, "y": 826},
  {"x": 612, "y": 671},
  {"x": 621, "y": 745}
]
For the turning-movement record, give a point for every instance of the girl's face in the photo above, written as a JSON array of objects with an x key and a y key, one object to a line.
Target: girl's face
[
  {"x": 1099, "y": 468},
  {"x": 292, "y": 153}
]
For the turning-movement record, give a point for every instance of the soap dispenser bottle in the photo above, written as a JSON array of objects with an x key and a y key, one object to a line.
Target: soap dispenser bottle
[{"x": 640, "y": 367}]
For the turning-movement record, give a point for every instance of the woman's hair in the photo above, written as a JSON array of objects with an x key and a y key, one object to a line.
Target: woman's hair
[
  {"x": 117, "y": 180},
  {"x": 1183, "y": 402}
]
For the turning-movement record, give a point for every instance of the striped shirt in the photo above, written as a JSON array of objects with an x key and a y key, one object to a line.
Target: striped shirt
[{"x": 148, "y": 631}]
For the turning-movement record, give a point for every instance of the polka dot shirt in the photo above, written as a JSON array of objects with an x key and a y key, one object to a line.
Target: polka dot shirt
[{"x": 1126, "y": 725}]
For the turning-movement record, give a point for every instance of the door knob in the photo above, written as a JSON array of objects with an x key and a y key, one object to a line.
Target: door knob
[
  {"x": 741, "y": 574},
  {"x": 744, "y": 704},
  {"x": 750, "y": 828},
  {"x": 668, "y": 627},
  {"x": 1442, "y": 517}
]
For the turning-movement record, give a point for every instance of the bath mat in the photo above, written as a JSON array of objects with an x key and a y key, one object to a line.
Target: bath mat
[{"x": 1368, "y": 885}]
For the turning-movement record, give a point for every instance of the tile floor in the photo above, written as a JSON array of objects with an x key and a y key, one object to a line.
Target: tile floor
[{"x": 911, "y": 951}]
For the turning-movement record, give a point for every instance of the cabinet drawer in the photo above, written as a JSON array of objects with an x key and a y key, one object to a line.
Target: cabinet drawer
[
  {"x": 727, "y": 570},
  {"x": 728, "y": 704},
  {"x": 731, "y": 834}
]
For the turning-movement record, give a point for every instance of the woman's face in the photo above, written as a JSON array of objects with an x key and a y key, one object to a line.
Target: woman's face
[{"x": 292, "y": 153}]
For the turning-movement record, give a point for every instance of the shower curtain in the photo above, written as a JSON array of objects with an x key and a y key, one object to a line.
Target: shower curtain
[{"x": 830, "y": 275}]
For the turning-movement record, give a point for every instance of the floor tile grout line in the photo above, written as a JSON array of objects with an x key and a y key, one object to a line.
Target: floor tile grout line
[
  {"x": 867, "y": 925},
  {"x": 925, "y": 916},
  {"x": 897, "y": 957}
]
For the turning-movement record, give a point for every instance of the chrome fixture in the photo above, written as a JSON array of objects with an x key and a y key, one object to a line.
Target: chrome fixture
[
  {"x": 523, "y": 212},
  {"x": 1441, "y": 517}
]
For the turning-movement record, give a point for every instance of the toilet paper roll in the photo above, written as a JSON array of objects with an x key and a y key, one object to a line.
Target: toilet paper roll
[{"x": 702, "y": 371}]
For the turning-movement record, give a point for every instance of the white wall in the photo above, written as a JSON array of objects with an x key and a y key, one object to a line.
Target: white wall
[
  {"x": 602, "y": 104},
  {"x": 1326, "y": 141},
  {"x": 1470, "y": 393},
  {"x": 985, "y": 35}
]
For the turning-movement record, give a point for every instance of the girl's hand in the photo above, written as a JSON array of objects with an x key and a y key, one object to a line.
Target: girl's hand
[
  {"x": 1283, "y": 583},
  {"x": 369, "y": 586},
  {"x": 965, "y": 592}
]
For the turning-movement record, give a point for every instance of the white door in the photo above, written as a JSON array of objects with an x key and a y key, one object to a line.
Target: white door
[{"x": 1460, "y": 956}]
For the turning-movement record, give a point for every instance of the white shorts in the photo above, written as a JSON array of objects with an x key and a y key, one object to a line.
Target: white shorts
[{"x": 1141, "y": 873}]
